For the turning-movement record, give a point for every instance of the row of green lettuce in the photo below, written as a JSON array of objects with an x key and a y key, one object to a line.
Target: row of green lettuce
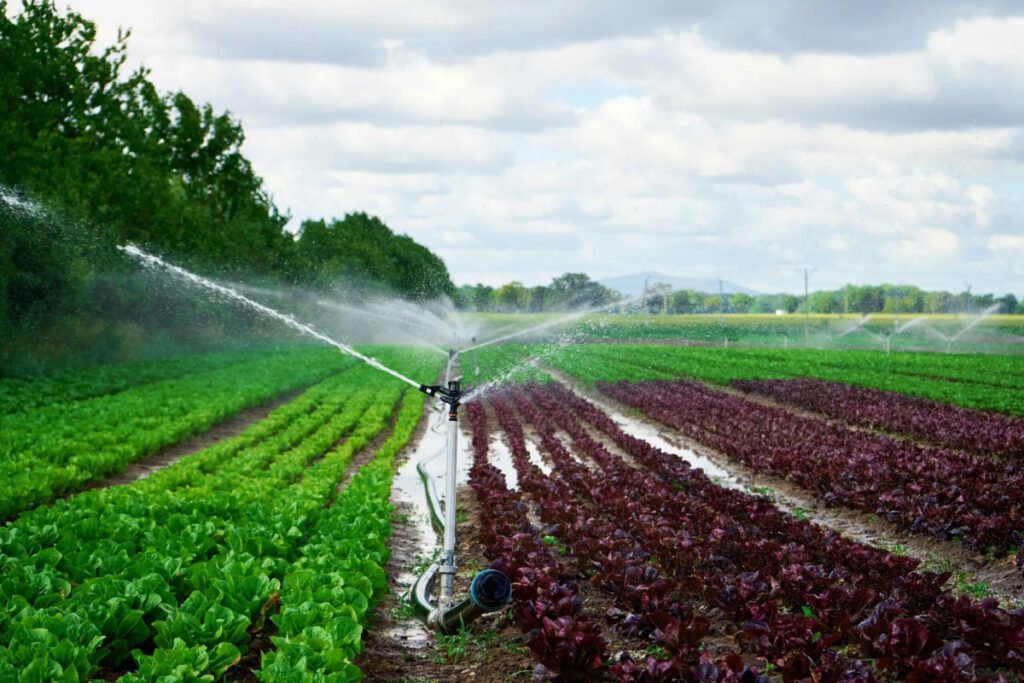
[
  {"x": 23, "y": 394},
  {"x": 327, "y": 597},
  {"x": 993, "y": 383},
  {"x": 53, "y": 450},
  {"x": 170, "y": 578}
]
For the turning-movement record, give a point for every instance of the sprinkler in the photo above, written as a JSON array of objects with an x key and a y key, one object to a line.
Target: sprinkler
[{"x": 490, "y": 590}]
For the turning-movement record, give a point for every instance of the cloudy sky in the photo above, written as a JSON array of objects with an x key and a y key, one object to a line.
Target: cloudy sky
[{"x": 873, "y": 141}]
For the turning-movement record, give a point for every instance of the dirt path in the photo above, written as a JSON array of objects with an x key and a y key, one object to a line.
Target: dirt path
[
  {"x": 975, "y": 574},
  {"x": 223, "y": 430}
]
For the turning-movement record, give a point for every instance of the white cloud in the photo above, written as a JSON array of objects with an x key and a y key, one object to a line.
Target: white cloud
[{"x": 628, "y": 137}]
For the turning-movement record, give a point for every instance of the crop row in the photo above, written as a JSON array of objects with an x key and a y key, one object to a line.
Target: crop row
[
  {"x": 646, "y": 605},
  {"x": 920, "y": 419},
  {"x": 632, "y": 553},
  {"x": 20, "y": 395},
  {"x": 173, "y": 575},
  {"x": 942, "y": 492},
  {"x": 923, "y": 378},
  {"x": 330, "y": 590},
  {"x": 802, "y": 597},
  {"x": 547, "y": 607},
  {"x": 52, "y": 451}
]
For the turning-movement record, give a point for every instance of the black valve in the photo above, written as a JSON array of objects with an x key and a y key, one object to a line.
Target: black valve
[{"x": 451, "y": 394}]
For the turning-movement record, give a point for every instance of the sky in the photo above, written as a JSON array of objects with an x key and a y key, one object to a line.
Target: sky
[{"x": 871, "y": 141}]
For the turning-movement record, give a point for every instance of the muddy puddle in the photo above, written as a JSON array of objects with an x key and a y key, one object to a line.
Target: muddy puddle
[
  {"x": 500, "y": 456},
  {"x": 652, "y": 434}
]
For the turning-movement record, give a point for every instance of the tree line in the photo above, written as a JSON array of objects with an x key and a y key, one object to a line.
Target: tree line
[
  {"x": 571, "y": 291},
  {"x": 661, "y": 298},
  {"x": 92, "y": 156}
]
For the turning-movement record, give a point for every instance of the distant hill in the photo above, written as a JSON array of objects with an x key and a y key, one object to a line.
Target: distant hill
[{"x": 633, "y": 285}]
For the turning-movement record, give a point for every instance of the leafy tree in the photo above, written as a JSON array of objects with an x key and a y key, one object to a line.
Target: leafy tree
[
  {"x": 538, "y": 298},
  {"x": 658, "y": 296},
  {"x": 363, "y": 252},
  {"x": 681, "y": 301},
  {"x": 576, "y": 290},
  {"x": 741, "y": 303},
  {"x": 513, "y": 296},
  {"x": 114, "y": 160}
]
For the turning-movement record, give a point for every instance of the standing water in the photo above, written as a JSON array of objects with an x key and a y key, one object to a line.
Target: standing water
[{"x": 155, "y": 261}]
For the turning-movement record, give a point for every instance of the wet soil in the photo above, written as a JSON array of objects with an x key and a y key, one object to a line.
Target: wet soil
[
  {"x": 223, "y": 430},
  {"x": 975, "y": 574},
  {"x": 397, "y": 648}
]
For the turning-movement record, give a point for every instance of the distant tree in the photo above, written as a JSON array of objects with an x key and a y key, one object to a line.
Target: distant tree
[
  {"x": 658, "y": 296},
  {"x": 513, "y": 297},
  {"x": 680, "y": 301},
  {"x": 576, "y": 290},
  {"x": 1010, "y": 304},
  {"x": 538, "y": 298},
  {"x": 937, "y": 302},
  {"x": 741, "y": 303},
  {"x": 362, "y": 251},
  {"x": 483, "y": 298}
]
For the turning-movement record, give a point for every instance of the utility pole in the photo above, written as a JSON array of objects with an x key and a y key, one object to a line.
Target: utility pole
[
  {"x": 968, "y": 299},
  {"x": 647, "y": 312},
  {"x": 807, "y": 307},
  {"x": 721, "y": 304}
]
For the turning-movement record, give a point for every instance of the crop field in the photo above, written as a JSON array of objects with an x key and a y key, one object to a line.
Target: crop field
[
  {"x": 665, "y": 512},
  {"x": 914, "y": 332}
]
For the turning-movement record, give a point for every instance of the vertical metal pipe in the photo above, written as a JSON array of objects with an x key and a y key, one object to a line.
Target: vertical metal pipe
[{"x": 448, "y": 568}]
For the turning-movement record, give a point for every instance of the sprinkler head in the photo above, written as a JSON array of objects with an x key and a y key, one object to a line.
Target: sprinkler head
[{"x": 451, "y": 394}]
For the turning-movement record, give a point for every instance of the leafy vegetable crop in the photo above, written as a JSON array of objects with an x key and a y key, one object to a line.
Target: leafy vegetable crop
[
  {"x": 987, "y": 382},
  {"x": 938, "y": 491},
  {"x": 170, "y": 578},
  {"x": 55, "y": 450},
  {"x": 665, "y": 540},
  {"x": 928, "y": 421}
]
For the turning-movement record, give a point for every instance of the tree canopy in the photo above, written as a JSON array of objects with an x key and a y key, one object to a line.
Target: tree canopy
[{"x": 112, "y": 160}]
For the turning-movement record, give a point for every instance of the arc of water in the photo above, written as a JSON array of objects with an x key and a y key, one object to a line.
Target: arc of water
[
  {"x": 572, "y": 317},
  {"x": 909, "y": 324},
  {"x": 994, "y": 308},
  {"x": 355, "y": 310},
  {"x": 935, "y": 333},
  {"x": 156, "y": 261},
  {"x": 333, "y": 305},
  {"x": 532, "y": 360},
  {"x": 856, "y": 325}
]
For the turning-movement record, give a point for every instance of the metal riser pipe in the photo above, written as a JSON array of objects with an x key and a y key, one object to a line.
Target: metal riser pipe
[{"x": 490, "y": 590}]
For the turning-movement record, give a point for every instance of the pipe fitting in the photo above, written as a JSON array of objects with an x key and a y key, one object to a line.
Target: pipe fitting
[{"x": 490, "y": 591}]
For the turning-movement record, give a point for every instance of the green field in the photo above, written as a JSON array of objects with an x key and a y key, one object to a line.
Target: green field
[
  {"x": 166, "y": 578},
  {"x": 993, "y": 334},
  {"x": 171, "y": 575}
]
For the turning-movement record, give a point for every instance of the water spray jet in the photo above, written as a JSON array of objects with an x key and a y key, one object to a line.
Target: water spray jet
[{"x": 490, "y": 590}]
